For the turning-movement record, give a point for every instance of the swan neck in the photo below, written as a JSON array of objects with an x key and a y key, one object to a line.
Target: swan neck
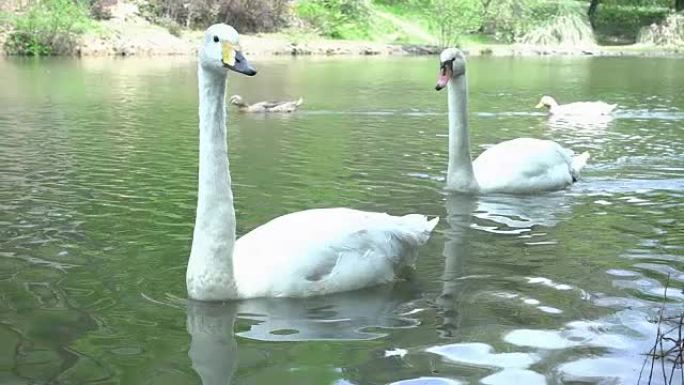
[
  {"x": 210, "y": 268},
  {"x": 460, "y": 175}
]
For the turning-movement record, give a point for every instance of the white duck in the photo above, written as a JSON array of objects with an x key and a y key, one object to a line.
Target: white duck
[
  {"x": 270, "y": 106},
  {"x": 578, "y": 108},
  {"x": 518, "y": 166},
  {"x": 301, "y": 254}
]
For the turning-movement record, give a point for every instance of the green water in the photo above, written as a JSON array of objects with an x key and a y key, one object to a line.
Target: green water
[{"x": 98, "y": 190}]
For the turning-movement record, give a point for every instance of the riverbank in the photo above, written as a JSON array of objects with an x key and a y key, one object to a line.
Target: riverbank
[
  {"x": 116, "y": 38},
  {"x": 128, "y": 34},
  {"x": 151, "y": 40}
]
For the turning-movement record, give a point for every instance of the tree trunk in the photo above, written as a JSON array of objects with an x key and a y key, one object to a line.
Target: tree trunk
[{"x": 592, "y": 11}]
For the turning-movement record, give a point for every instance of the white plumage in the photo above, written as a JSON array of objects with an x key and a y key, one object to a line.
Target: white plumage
[
  {"x": 306, "y": 253},
  {"x": 577, "y": 108},
  {"x": 324, "y": 251},
  {"x": 525, "y": 165}
]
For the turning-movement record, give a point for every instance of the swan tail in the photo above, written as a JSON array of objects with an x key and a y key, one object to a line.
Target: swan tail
[
  {"x": 578, "y": 163},
  {"x": 419, "y": 227}
]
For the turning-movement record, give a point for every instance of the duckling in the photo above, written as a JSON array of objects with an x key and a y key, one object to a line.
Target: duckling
[
  {"x": 282, "y": 106},
  {"x": 577, "y": 108}
]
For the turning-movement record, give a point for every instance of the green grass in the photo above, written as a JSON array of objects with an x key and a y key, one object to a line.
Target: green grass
[
  {"x": 49, "y": 27},
  {"x": 359, "y": 20}
]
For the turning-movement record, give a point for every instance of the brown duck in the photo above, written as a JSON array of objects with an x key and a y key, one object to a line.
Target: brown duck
[{"x": 282, "y": 106}]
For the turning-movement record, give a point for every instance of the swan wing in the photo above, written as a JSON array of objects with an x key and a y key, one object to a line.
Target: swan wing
[
  {"x": 524, "y": 165},
  {"x": 323, "y": 251}
]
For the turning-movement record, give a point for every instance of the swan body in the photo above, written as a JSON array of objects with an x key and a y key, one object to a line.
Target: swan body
[
  {"x": 518, "y": 166},
  {"x": 526, "y": 165},
  {"x": 322, "y": 251},
  {"x": 270, "y": 106},
  {"x": 301, "y": 254},
  {"x": 578, "y": 108}
]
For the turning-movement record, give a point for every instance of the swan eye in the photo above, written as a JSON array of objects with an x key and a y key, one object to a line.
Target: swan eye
[{"x": 216, "y": 39}]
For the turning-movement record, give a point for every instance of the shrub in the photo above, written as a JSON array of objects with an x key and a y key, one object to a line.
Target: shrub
[
  {"x": 669, "y": 33},
  {"x": 174, "y": 28},
  {"x": 336, "y": 18},
  {"x": 504, "y": 19},
  {"x": 624, "y": 22},
  {"x": 455, "y": 18},
  {"x": 569, "y": 26},
  {"x": 99, "y": 9},
  {"x": 244, "y": 15},
  {"x": 48, "y": 27}
]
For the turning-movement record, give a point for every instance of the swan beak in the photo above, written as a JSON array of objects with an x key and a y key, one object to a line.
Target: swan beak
[
  {"x": 445, "y": 72},
  {"x": 539, "y": 105},
  {"x": 233, "y": 59}
]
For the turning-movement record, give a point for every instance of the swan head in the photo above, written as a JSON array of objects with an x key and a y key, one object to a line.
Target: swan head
[
  {"x": 220, "y": 51},
  {"x": 236, "y": 100},
  {"x": 452, "y": 64},
  {"x": 546, "y": 101}
]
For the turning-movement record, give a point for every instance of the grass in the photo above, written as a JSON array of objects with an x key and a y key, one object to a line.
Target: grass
[
  {"x": 49, "y": 27},
  {"x": 371, "y": 21},
  {"x": 667, "y": 353}
]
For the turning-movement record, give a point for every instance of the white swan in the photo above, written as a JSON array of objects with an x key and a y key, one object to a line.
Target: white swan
[
  {"x": 518, "y": 166},
  {"x": 578, "y": 108},
  {"x": 300, "y": 254}
]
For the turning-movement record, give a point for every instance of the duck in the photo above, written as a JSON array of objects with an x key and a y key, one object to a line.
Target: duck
[
  {"x": 598, "y": 108},
  {"x": 517, "y": 166},
  {"x": 282, "y": 106},
  {"x": 301, "y": 254}
]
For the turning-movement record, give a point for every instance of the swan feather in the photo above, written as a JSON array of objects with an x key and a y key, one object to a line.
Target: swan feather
[
  {"x": 322, "y": 251},
  {"x": 525, "y": 165}
]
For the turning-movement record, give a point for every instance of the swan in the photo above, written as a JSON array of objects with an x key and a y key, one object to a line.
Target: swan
[
  {"x": 281, "y": 106},
  {"x": 301, "y": 254},
  {"x": 578, "y": 108},
  {"x": 518, "y": 166}
]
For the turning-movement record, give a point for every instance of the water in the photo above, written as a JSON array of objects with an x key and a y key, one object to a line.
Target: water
[{"x": 98, "y": 190}]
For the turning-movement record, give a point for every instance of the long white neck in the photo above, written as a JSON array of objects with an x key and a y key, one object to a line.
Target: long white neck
[
  {"x": 460, "y": 175},
  {"x": 210, "y": 268}
]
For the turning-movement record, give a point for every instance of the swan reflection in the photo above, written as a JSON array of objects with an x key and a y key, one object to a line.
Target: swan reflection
[
  {"x": 518, "y": 214},
  {"x": 498, "y": 214},
  {"x": 459, "y": 217},
  {"x": 580, "y": 122},
  {"x": 359, "y": 315}
]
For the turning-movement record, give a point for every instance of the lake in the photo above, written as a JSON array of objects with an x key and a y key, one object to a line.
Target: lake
[{"x": 98, "y": 193}]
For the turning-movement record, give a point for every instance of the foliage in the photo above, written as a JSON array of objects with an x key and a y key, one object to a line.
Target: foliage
[
  {"x": 174, "y": 28},
  {"x": 453, "y": 18},
  {"x": 47, "y": 27},
  {"x": 99, "y": 9},
  {"x": 245, "y": 15},
  {"x": 624, "y": 22},
  {"x": 507, "y": 19},
  {"x": 639, "y": 3},
  {"x": 338, "y": 19},
  {"x": 670, "y": 32},
  {"x": 570, "y": 27}
]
